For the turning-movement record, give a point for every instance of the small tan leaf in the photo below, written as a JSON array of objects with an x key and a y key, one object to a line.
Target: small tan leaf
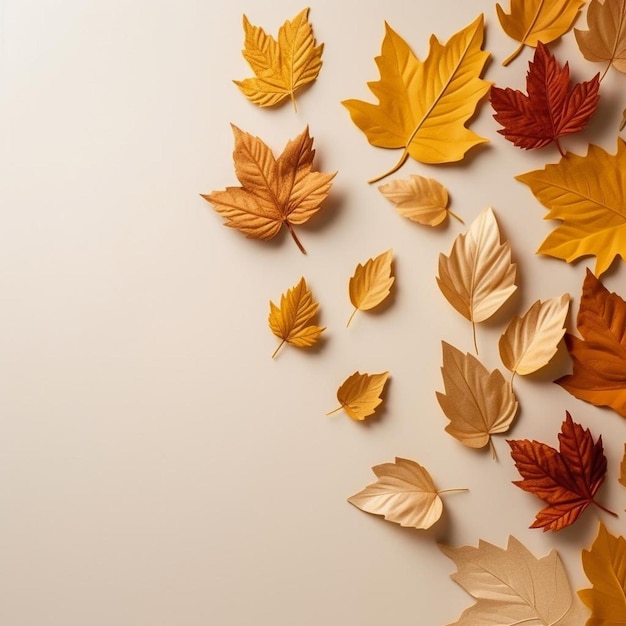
[
  {"x": 371, "y": 283},
  {"x": 530, "y": 341},
  {"x": 359, "y": 394},
  {"x": 477, "y": 402},
  {"x": 291, "y": 322},
  {"x": 404, "y": 493},
  {"x": 422, "y": 200},
  {"x": 622, "y": 468}
]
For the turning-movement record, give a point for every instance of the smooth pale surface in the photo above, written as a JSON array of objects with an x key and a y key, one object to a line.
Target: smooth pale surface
[{"x": 156, "y": 466}]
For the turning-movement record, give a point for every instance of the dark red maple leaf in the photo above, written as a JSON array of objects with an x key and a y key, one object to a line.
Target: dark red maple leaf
[
  {"x": 566, "y": 480},
  {"x": 553, "y": 107}
]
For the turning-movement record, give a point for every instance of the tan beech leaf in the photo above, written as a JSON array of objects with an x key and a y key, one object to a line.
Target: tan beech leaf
[
  {"x": 404, "y": 493},
  {"x": 359, "y": 394},
  {"x": 371, "y": 283},
  {"x": 292, "y": 321},
  {"x": 622, "y": 468},
  {"x": 422, "y": 200},
  {"x": 478, "y": 403},
  {"x": 530, "y": 341},
  {"x": 478, "y": 277},
  {"x": 511, "y": 586}
]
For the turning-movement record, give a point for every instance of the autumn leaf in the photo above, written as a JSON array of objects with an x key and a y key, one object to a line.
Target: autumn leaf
[
  {"x": 422, "y": 200},
  {"x": 622, "y": 469},
  {"x": 291, "y": 322},
  {"x": 511, "y": 586},
  {"x": 274, "y": 192},
  {"x": 566, "y": 480},
  {"x": 360, "y": 394},
  {"x": 371, "y": 283},
  {"x": 281, "y": 67},
  {"x": 605, "y": 567},
  {"x": 605, "y": 41},
  {"x": 534, "y": 21},
  {"x": 478, "y": 403},
  {"x": 478, "y": 277},
  {"x": 530, "y": 341},
  {"x": 599, "y": 358},
  {"x": 424, "y": 105},
  {"x": 588, "y": 194},
  {"x": 404, "y": 493},
  {"x": 553, "y": 107}
]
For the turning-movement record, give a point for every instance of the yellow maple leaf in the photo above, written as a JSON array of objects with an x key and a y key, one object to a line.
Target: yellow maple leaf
[
  {"x": 533, "y": 21},
  {"x": 588, "y": 194},
  {"x": 291, "y": 322},
  {"x": 605, "y": 566},
  {"x": 371, "y": 283},
  {"x": 274, "y": 192},
  {"x": 423, "y": 106},
  {"x": 282, "y": 66},
  {"x": 360, "y": 394}
]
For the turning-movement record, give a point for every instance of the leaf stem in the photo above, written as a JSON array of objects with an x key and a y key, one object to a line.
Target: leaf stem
[
  {"x": 335, "y": 410},
  {"x": 608, "y": 67},
  {"x": 513, "y": 56},
  {"x": 494, "y": 454},
  {"x": 353, "y": 314},
  {"x": 455, "y": 216},
  {"x": 558, "y": 145},
  {"x": 474, "y": 336},
  {"x": 395, "y": 168},
  {"x": 451, "y": 491},
  {"x": 292, "y": 232},
  {"x": 604, "y": 509},
  {"x": 280, "y": 345},
  {"x": 293, "y": 100}
]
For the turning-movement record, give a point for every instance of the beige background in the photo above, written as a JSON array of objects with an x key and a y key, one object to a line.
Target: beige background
[{"x": 156, "y": 466}]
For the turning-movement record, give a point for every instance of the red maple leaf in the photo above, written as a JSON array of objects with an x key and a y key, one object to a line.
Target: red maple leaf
[
  {"x": 566, "y": 480},
  {"x": 553, "y": 107}
]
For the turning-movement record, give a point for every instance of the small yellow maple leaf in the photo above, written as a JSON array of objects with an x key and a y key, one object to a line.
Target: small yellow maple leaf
[
  {"x": 291, "y": 322},
  {"x": 532, "y": 21},
  {"x": 359, "y": 394},
  {"x": 282, "y": 66},
  {"x": 371, "y": 283}
]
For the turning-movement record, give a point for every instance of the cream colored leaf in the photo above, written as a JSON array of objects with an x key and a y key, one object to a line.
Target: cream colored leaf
[
  {"x": 291, "y": 322},
  {"x": 513, "y": 587},
  {"x": 404, "y": 493},
  {"x": 422, "y": 200},
  {"x": 530, "y": 341},
  {"x": 371, "y": 283},
  {"x": 359, "y": 394},
  {"x": 477, "y": 402}
]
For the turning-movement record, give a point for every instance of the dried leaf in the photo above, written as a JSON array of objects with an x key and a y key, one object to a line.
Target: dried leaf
[
  {"x": 622, "y": 124},
  {"x": 588, "y": 194},
  {"x": 530, "y": 341},
  {"x": 605, "y": 566},
  {"x": 422, "y": 200},
  {"x": 281, "y": 67},
  {"x": 359, "y": 394},
  {"x": 622, "y": 469},
  {"x": 532, "y": 21},
  {"x": 606, "y": 38},
  {"x": 291, "y": 323},
  {"x": 599, "y": 358},
  {"x": 424, "y": 105},
  {"x": 566, "y": 480},
  {"x": 274, "y": 192},
  {"x": 511, "y": 586},
  {"x": 477, "y": 402},
  {"x": 371, "y": 283},
  {"x": 553, "y": 107},
  {"x": 404, "y": 493}
]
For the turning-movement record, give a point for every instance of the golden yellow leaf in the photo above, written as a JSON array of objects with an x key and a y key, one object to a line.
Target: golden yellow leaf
[
  {"x": 606, "y": 38},
  {"x": 291, "y": 322},
  {"x": 530, "y": 341},
  {"x": 282, "y": 66},
  {"x": 371, "y": 283},
  {"x": 478, "y": 277},
  {"x": 477, "y": 402},
  {"x": 511, "y": 586},
  {"x": 424, "y": 105},
  {"x": 533, "y": 21},
  {"x": 622, "y": 469},
  {"x": 404, "y": 493},
  {"x": 605, "y": 566},
  {"x": 359, "y": 394},
  {"x": 588, "y": 194},
  {"x": 422, "y": 200},
  {"x": 274, "y": 192}
]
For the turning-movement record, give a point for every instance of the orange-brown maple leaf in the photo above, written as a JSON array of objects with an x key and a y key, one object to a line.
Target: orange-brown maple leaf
[
  {"x": 553, "y": 107},
  {"x": 566, "y": 479},
  {"x": 599, "y": 358}
]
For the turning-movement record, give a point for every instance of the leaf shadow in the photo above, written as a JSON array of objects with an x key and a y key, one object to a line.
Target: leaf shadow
[{"x": 327, "y": 214}]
